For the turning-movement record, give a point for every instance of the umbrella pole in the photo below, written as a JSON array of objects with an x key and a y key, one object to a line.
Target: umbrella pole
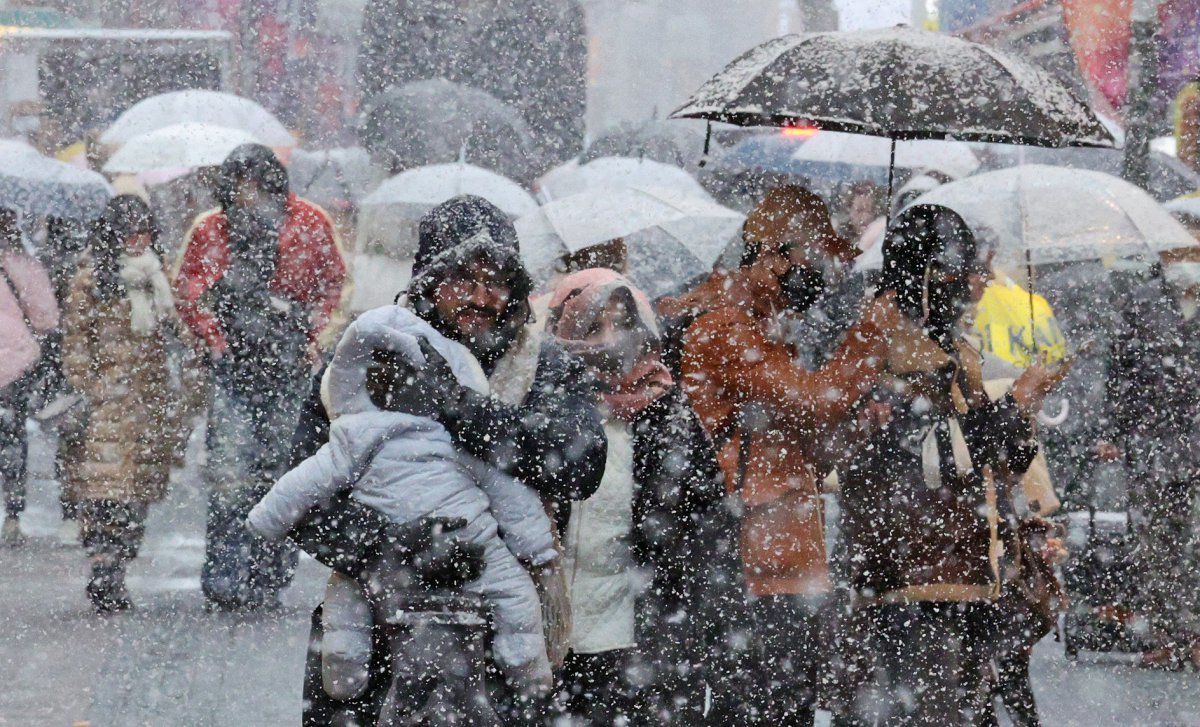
[
  {"x": 707, "y": 142},
  {"x": 1032, "y": 322},
  {"x": 887, "y": 215}
]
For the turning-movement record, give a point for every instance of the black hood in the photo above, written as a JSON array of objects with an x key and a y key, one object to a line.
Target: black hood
[
  {"x": 251, "y": 161},
  {"x": 456, "y": 232},
  {"x": 461, "y": 229},
  {"x": 924, "y": 238}
]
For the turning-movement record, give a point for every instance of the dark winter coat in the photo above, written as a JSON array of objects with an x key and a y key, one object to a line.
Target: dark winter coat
[
  {"x": 921, "y": 503},
  {"x": 1152, "y": 396},
  {"x": 686, "y": 538},
  {"x": 541, "y": 426}
]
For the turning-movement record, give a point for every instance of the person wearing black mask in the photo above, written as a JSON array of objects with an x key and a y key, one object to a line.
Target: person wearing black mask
[
  {"x": 924, "y": 502},
  {"x": 257, "y": 282}
]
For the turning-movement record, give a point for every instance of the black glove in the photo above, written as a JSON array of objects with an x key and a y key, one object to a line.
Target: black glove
[{"x": 396, "y": 385}]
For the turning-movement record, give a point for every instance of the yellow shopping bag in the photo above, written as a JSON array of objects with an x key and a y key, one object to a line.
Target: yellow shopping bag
[{"x": 1013, "y": 330}]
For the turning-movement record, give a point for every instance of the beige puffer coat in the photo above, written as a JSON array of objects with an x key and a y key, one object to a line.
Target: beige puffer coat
[{"x": 134, "y": 420}]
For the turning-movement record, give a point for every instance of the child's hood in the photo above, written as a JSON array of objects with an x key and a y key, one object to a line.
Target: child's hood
[{"x": 392, "y": 328}]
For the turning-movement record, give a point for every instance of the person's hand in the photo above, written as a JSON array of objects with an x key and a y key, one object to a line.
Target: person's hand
[
  {"x": 874, "y": 416},
  {"x": 1054, "y": 550},
  {"x": 395, "y": 385},
  {"x": 1029, "y": 391},
  {"x": 1107, "y": 451}
]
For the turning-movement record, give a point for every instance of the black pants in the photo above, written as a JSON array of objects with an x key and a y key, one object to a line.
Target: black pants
[
  {"x": 931, "y": 665},
  {"x": 112, "y": 529},
  {"x": 789, "y": 640},
  {"x": 1014, "y": 689},
  {"x": 14, "y": 446},
  {"x": 597, "y": 688}
]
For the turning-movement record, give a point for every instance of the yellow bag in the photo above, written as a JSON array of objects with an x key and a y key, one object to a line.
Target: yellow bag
[{"x": 1007, "y": 329}]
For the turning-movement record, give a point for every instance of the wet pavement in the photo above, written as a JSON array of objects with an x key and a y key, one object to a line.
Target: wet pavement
[{"x": 169, "y": 662}]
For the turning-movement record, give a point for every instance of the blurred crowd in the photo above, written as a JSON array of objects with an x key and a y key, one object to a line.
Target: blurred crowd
[{"x": 795, "y": 483}]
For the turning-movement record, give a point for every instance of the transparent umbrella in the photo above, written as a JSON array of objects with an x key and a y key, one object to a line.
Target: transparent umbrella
[
  {"x": 33, "y": 184},
  {"x": 615, "y": 173},
  {"x": 1035, "y": 215},
  {"x": 671, "y": 236},
  {"x": 179, "y": 146},
  {"x": 198, "y": 106}
]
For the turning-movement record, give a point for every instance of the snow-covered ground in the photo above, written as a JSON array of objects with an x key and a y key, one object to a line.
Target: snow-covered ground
[{"x": 169, "y": 662}]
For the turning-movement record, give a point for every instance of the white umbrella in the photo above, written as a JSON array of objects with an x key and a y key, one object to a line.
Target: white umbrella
[
  {"x": 389, "y": 216},
  {"x": 198, "y": 106},
  {"x": 841, "y": 153},
  {"x": 1040, "y": 214},
  {"x": 671, "y": 236},
  {"x": 179, "y": 146},
  {"x": 33, "y": 184},
  {"x": 615, "y": 173}
]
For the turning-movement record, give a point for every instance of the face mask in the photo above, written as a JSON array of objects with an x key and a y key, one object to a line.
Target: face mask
[
  {"x": 802, "y": 286},
  {"x": 947, "y": 299}
]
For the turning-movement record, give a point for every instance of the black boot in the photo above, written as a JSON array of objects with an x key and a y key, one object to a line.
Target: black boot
[{"x": 106, "y": 589}]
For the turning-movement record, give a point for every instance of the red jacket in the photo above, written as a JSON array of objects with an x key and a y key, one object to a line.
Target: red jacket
[{"x": 310, "y": 269}]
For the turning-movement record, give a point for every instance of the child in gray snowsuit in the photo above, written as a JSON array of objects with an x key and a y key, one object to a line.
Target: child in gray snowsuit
[{"x": 407, "y": 468}]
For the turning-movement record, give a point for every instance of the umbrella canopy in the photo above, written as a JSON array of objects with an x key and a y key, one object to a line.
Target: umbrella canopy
[
  {"x": 900, "y": 83},
  {"x": 33, "y": 184},
  {"x": 671, "y": 236},
  {"x": 438, "y": 122},
  {"x": 202, "y": 107},
  {"x": 615, "y": 173},
  {"x": 179, "y": 146},
  {"x": 679, "y": 142},
  {"x": 854, "y": 156},
  {"x": 1040, "y": 214},
  {"x": 336, "y": 179},
  {"x": 389, "y": 218}
]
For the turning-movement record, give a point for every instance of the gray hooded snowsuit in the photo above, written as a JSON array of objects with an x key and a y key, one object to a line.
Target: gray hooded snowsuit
[{"x": 407, "y": 468}]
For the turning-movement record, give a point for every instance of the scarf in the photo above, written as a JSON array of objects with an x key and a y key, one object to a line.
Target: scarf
[
  {"x": 149, "y": 292},
  {"x": 575, "y": 304}
]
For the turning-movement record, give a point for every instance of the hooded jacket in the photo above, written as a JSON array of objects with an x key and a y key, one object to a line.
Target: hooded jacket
[
  {"x": 541, "y": 426},
  {"x": 923, "y": 501},
  {"x": 407, "y": 468},
  {"x": 308, "y": 266},
  {"x": 771, "y": 417},
  {"x": 402, "y": 465}
]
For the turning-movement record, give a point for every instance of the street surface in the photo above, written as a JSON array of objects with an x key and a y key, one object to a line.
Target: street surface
[{"x": 169, "y": 662}]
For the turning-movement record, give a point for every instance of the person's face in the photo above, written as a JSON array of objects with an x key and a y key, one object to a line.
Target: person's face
[
  {"x": 138, "y": 243},
  {"x": 247, "y": 194},
  {"x": 862, "y": 210},
  {"x": 473, "y": 299},
  {"x": 617, "y": 339},
  {"x": 978, "y": 278}
]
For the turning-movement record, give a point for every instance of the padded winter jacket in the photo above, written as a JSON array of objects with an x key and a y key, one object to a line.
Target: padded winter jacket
[
  {"x": 404, "y": 466},
  {"x": 27, "y": 309},
  {"x": 310, "y": 270}
]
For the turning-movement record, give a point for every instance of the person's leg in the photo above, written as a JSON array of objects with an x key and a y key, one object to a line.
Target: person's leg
[
  {"x": 789, "y": 655},
  {"x": 593, "y": 685},
  {"x": 13, "y": 455},
  {"x": 112, "y": 533},
  {"x": 935, "y": 656},
  {"x": 347, "y": 623},
  {"x": 1015, "y": 689}
]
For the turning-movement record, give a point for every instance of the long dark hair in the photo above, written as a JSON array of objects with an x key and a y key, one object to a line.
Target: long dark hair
[{"x": 124, "y": 216}]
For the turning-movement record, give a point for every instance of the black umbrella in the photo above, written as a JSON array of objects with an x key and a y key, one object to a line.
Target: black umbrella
[
  {"x": 439, "y": 122},
  {"x": 900, "y": 83}
]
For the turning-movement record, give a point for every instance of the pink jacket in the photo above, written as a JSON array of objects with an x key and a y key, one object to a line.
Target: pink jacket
[{"x": 27, "y": 294}]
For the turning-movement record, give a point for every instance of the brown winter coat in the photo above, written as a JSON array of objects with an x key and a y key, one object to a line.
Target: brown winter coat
[
  {"x": 914, "y": 533},
  {"x": 133, "y": 420},
  {"x": 734, "y": 367}
]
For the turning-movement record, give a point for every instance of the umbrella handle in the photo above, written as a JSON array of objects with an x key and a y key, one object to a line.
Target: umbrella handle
[{"x": 1057, "y": 419}]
